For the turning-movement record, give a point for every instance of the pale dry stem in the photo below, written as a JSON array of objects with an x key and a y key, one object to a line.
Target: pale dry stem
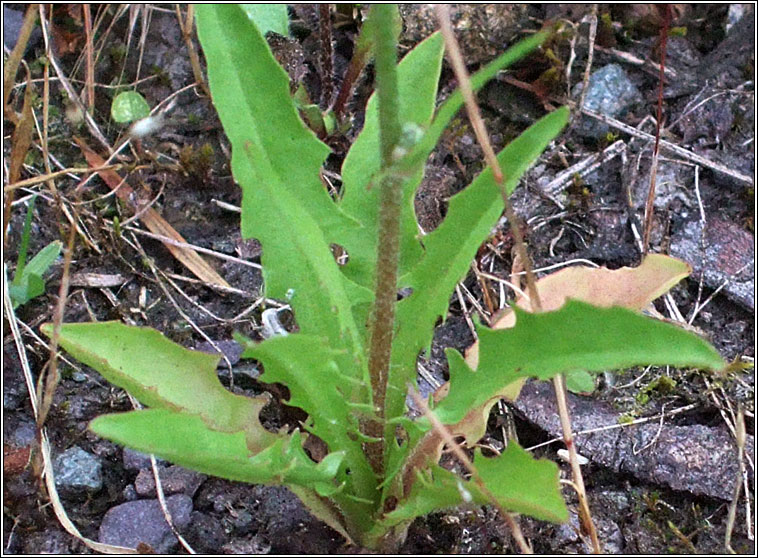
[{"x": 477, "y": 123}]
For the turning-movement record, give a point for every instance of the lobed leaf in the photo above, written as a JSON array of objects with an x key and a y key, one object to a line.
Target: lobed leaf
[
  {"x": 630, "y": 287},
  {"x": 450, "y": 248},
  {"x": 276, "y": 161},
  {"x": 164, "y": 375},
  {"x": 578, "y": 336},
  {"x": 309, "y": 369},
  {"x": 187, "y": 440},
  {"x": 518, "y": 482}
]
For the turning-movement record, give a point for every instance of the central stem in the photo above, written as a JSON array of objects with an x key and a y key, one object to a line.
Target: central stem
[{"x": 388, "y": 240}]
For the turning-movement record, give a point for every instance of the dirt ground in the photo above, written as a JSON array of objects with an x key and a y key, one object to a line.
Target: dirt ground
[{"x": 645, "y": 498}]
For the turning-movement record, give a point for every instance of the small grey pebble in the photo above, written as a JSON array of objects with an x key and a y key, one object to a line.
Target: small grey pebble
[{"x": 76, "y": 470}]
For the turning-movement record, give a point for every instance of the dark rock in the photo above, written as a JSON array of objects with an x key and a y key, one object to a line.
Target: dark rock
[
  {"x": 729, "y": 255},
  {"x": 135, "y": 461},
  {"x": 78, "y": 471},
  {"x": 242, "y": 521},
  {"x": 221, "y": 495},
  {"x": 694, "y": 458},
  {"x": 289, "y": 525},
  {"x": 710, "y": 120},
  {"x": 174, "y": 480},
  {"x": 142, "y": 521},
  {"x": 567, "y": 536},
  {"x": 205, "y": 533},
  {"x": 610, "y": 92},
  {"x": 13, "y": 381},
  {"x": 725, "y": 66},
  {"x": 23, "y": 435},
  {"x": 12, "y": 21},
  {"x": 50, "y": 541}
]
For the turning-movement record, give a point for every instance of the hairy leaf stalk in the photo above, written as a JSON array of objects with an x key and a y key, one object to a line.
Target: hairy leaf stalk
[{"x": 388, "y": 242}]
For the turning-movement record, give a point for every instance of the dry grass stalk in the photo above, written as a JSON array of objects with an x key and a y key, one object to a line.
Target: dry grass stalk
[
  {"x": 155, "y": 222},
  {"x": 477, "y": 123}
]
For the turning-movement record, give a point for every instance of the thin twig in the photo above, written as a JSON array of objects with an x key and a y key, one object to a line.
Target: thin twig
[
  {"x": 658, "y": 125},
  {"x": 665, "y": 145},
  {"x": 186, "y": 25},
  {"x": 195, "y": 247},
  {"x": 52, "y": 377},
  {"x": 90, "y": 66},
  {"x": 635, "y": 422},
  {"x": 590, "y": 55},
  {"x": 52, "y": 175}
]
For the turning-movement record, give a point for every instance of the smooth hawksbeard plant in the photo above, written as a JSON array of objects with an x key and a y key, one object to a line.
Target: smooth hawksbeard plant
[{"x": 349, "y": 366}]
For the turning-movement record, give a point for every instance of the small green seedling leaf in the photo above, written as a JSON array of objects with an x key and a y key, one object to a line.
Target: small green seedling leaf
[
  {"x": 129, "y": 106},
  {"x": 29, "y": 283},
  {"x": 580, "y": 381},
  {"x": 268, "y": 17}
]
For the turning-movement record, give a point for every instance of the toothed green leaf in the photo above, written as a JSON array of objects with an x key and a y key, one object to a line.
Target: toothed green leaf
[
  {"x": 518, "y": 482},
  {"x": 276, "y": 161},
  {"x": 578, "y": 336},
  {"x": 163, "y": 374},
  {"x": 186, "y": 440},
  {"x": 450, "y": 248}
]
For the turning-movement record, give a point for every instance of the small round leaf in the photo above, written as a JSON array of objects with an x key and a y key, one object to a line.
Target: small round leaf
[{"x": 129, "y": 106}]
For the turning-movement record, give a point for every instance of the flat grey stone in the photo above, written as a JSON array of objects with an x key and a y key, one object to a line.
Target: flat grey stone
[
  {"x": 697, "y": 459},
  {"x": 725, "y": 253}
]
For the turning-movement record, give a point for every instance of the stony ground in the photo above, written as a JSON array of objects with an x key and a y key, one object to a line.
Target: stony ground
[{"x": 659, "y": 486}]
